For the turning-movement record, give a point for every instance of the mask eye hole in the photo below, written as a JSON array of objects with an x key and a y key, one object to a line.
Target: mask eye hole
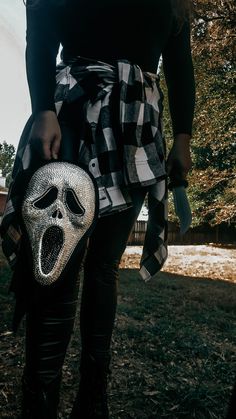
[
  {"x": 46, "y": 199},
  {"x": 73, "y": 203}
]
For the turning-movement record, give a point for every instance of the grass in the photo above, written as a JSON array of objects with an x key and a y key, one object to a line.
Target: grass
[
  {"x": 178, "y": 336},
  {"x": 173, "y": 350}
]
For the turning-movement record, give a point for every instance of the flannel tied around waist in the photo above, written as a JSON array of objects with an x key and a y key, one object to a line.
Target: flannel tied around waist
[{"x": 120, "y": 142}]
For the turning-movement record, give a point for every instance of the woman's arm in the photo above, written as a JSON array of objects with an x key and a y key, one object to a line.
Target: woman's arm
[
  {"x": 43, "y": 39},
  {"x": 179, "y": 74},
  {"x": 42, "y": 44}
]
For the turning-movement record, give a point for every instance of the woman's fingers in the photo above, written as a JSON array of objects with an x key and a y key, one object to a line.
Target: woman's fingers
[
  {"x": 46, "y": 148},
  {"x": 46, "y": 135},
  {"x": 179, "y": 161},
  {"x": 42, "y": 146},
  {"x": 178, "y": 165},
  {"x": 56, "y": 147}
]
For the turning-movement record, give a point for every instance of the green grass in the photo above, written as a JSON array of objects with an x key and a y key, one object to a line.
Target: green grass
[{"x": 173, "y": 350}]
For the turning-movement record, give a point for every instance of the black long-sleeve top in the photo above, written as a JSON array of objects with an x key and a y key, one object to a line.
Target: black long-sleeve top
[{"x": 137, "y": 30}]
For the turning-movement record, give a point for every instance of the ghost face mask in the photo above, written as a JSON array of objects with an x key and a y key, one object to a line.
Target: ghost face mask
[{"x": 59, "y": 210}]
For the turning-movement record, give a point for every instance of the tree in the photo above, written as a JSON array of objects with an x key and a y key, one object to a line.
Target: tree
[
  {"x": 7, "y": 155},
  {"x": 214, "y": 144},
  {"x": 212, "y": 188}
]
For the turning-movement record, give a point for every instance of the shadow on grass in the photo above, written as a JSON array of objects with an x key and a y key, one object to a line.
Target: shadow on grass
[
  {"x": 177, "y": 335},
  {"x": 173, "y": 350},
  {"x": 184, "y": 293}
]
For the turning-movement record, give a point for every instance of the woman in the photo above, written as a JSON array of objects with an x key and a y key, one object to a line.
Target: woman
[{"x": 117, "y": 33}]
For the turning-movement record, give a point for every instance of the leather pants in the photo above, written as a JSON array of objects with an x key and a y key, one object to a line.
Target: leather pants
[{"x": 50, "y": 321}]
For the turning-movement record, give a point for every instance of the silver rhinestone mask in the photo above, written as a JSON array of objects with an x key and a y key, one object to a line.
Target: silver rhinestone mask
[{"x": 58, "y": 209}]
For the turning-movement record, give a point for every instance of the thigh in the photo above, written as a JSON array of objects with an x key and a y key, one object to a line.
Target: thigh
[
  {"x": 49, "y": 324},
  {"x": 111, "y": 233}
]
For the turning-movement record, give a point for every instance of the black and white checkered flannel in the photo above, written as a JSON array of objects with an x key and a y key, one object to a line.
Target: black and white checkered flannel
[{"x": 121, "y": 153}]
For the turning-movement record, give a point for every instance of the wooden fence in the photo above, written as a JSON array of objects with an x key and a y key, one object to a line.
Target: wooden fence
[{"x": 198, "y": 235}]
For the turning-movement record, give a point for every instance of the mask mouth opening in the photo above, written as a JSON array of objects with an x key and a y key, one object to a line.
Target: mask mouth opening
[{"x": 52, "y": 243}]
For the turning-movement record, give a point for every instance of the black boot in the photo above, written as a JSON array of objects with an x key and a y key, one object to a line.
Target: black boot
[
  {"x": 40, "y": 401},
  {"x": 91, "y": 400}
]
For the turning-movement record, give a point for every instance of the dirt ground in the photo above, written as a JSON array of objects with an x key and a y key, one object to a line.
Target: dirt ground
[
  {"x": 163, "y": 366},
  {"x": 202, "y": 261}
]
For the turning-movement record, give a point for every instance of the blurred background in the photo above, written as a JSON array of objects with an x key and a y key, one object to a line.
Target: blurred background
[{"x": 14, "y": 103}]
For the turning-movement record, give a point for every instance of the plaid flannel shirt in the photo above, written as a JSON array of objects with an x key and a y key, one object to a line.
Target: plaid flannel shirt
[{"x": 130, "y": 153}]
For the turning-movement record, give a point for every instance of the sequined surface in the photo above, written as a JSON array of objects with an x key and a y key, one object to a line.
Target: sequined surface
[{"x": 58, "y": 209}]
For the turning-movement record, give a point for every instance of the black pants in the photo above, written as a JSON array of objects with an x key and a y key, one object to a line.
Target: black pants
[{"x": 49, "y": 323}]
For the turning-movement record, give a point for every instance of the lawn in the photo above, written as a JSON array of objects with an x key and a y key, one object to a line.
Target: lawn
[{"x": 173, "y": 350}]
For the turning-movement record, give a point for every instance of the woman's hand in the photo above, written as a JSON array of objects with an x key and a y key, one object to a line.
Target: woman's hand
[
  {"x": 179, "y": 158},
  {"x": 45, "y": 136}
]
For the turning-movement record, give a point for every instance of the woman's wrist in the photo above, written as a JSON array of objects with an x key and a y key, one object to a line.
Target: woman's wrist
[
  {"x": 182, "y": 138},
  {"x": 45, "y": 115},
  {"x": 44, "y": 112}
]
